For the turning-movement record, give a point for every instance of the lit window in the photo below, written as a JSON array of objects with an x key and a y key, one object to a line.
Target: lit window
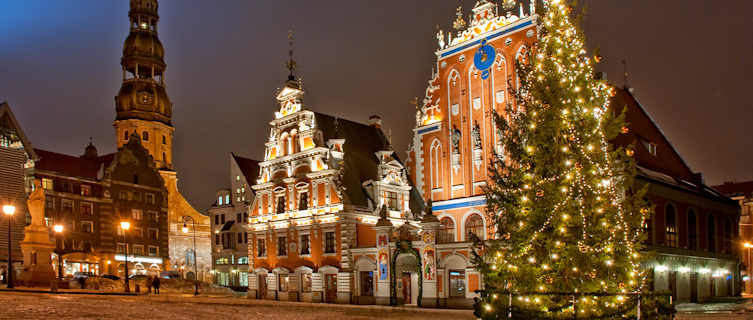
[
  {"x": 474, "y": 225},
  {"x": 227, "y": 199},
  {"x": 237, "y": 178},
  {"x": 392, "y": 203},
  {"x": 261, "y": 248},
  {"x": 329, "y": 242},
  {"x": 219, "y": 200},
  {"x": 282, "y": 248},
  {"x": 446, "y": 231},
  {"x": 47, "y": 183},
  {"x": 86, "y": 190},
  {"x": 305, "y": 244},
  {"x": 87, "y": 208},
  {"x": 137, "y": 214},
  {"x": 671, "y": 227},
  {"x": 153, "y": 251},
  {"x": 145, "y": 136}
]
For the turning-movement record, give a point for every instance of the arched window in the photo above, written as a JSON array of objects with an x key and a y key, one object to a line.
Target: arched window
[
  {"x": 435, "y": 164},
  {"x": 670, "y": 235},
  {"x": 145, "y": 136},
  {"x": 711, "y": 233},
  {"x": 692, "y": 230},
  {"x": 474, "y": 225},
  {"x": 284, "y": 144},
  {"x": 446, "y": 230}
]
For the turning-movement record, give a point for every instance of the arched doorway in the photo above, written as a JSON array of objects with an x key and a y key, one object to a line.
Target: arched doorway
[{"x": 406, "y": 271}]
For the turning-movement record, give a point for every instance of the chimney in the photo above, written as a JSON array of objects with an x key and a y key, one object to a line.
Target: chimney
[{"x": 375, "y": 121}]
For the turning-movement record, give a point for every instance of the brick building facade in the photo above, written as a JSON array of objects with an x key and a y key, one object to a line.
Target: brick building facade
[{"x": 742, "y": 192}]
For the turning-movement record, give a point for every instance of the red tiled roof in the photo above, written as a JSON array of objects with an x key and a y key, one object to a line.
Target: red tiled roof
[{"x": 71, "y": 165}]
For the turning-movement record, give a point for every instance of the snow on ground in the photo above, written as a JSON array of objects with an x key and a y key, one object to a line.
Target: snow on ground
[{"x": 18, "y": 305}]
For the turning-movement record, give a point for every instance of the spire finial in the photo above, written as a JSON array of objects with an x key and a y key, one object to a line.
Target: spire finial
[{"x": 291, "y": 62}]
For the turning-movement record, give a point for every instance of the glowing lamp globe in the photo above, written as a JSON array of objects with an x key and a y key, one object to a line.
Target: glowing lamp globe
[
  {"x": 125, "y": 225},
  {"x": 185, "y": 228},
  {"x": 9, "y": 210},
  {"x": 58, "y": 228}
]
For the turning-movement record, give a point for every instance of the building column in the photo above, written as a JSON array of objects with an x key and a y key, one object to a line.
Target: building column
[{"x": 383, "y": 230}]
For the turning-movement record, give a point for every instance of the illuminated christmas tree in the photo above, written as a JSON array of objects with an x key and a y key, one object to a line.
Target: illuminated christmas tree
[{"x": 567, "y": 218}]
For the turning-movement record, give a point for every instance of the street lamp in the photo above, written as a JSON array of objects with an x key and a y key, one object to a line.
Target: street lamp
[
  {"x": 58, "y": 228},
  {"x": 125, "y": 225},
  {"x": 9, "y": 210},
  {"x": 195, "y": 270},
  {"x": 748, "y": 245}
]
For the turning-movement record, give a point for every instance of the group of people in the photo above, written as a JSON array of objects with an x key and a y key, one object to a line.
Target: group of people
[{"x": 152, "y": 282}]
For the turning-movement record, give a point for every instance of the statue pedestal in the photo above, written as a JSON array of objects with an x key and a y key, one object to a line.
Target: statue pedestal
[{"x": 37, "y": 250}]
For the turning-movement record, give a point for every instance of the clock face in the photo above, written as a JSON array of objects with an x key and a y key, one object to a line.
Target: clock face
[
  {"x": 484, "y": 58},
  {"x": 145, "y": 98}
]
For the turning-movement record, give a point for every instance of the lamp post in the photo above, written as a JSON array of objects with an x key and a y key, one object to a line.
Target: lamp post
[
  {"x": 748, "y": 245},
  {"x": 125, "y": 225},
  {"x": 195, "y": 268},
  {"x": 9, "y": 210},
  {"x": 58, "y": 228}
]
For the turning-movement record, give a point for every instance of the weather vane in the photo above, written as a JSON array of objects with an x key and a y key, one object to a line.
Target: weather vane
[{"x": 291, "y": 63}]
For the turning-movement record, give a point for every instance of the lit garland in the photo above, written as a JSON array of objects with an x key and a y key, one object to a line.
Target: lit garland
[{"x": 568, "y": 220}]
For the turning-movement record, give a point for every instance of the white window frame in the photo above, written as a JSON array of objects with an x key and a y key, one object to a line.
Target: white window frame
[
  {"x": 324, "y": 241},
  {"x": 156, "y": 251}
]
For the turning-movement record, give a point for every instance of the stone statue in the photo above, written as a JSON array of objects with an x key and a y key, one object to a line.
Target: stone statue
[
  {"x": 456, "y": 135},
  {"x": 37, "y": 247},
  {"x": 440, "y": 39},
  {"x": 476, "y": 134}
]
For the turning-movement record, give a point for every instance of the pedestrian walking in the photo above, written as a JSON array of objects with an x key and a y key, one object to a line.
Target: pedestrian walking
[
  {"x": 155, "y": 284},
  {"x": 149, "y": 284}
]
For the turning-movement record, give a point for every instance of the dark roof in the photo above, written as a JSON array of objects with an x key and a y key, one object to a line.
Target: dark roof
[
  {"x": 362, "y": 141},
  {"x": 6, "y": 115},
  {"x": 227, "y": 225},
  {"x": 667, "y": 167},
  {"x": 71, "y": 165},
  {"x": 734, "y": 189},
  {"x": 249, "y": 168}
]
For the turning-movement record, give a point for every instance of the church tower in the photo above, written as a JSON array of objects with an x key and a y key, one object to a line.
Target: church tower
[{"x": 142, "y": 104}]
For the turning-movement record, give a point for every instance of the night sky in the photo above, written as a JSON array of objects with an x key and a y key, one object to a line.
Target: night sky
[{"x": 690, "y": 62}]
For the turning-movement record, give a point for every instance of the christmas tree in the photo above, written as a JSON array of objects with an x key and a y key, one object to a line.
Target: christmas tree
[{"x": 566, "y": 214}]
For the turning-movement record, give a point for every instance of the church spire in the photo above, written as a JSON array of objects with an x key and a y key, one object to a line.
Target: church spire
[
  {"x": 142, "y": 105},
  {"x": 291, "y": 63}
]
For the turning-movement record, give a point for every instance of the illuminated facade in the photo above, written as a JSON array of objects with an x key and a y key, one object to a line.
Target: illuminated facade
[{"x": 455, "y": 137}]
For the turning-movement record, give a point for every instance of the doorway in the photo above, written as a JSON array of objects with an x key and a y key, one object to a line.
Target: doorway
[
  {"x": 330, "y": 288},
  {"x": 694, "y": 287},
  {"x": 406, "y": 284},
  {"x": 262, "y": 286}
]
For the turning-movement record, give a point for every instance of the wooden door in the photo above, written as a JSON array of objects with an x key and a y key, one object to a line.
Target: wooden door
[
  {"x": 330, "y": 288},
  {"x": 694, "y": 287},
  {"x": 406, "y": 287},
  {"x": 262, "y": 282},
  {"x": 673, "y": 284}
]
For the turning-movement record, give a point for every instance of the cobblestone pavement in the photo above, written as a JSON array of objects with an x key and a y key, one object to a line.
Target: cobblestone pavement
[{"x": 69, "y": 306}]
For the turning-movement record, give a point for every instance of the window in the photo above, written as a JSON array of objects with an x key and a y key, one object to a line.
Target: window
[
  {"x": 692, "y": 230},
  {"x": 138, "y": 233},
  {"x": 651, "y": 147},
  {"x": 217, "y": 219},
  {"x": 237, "y": 178},
  {"x": 125, "y": 135},
  {"x": 86, "y": 190},
  {"x": 123, "y": 195},
  {"x": 164, "y": 140},
  {"x": 283, "y": 280},
  {"x": 145, "y": 136},
  {"x": 240, "y": 237},
  {"x": 306, "y": 282},
  {"x": 49, "y": 202},
  {"x": 305, "y": 244},
  {"x": 138, "y": 250},
  {"x": 219, "y": 200},
  {"x": 153, "y": 215},
  {"x": 237, "y": 190},
  {"x": 245, "y": 217},
  {"x": 136, "y": 195},
  {"x": 391, "y": 198},
  {"x": 457, "y": 283},
  {"x": 435, "y": 164},
  {"x": 446, "y": 230},
  {"x": 87, "y": 226},
  {"x": 217, "y": 239},
  {"x": 222, "y": 219},
  {"x": 164, "y": 157},
  {"x": 303, "y": 201},
  {"x": 474, "y": 225},
  {"x": 47, "y": 184},
  {"x": 671, "y": 227},
  {"x": 150, "y": 198},
  {"x": 153, "y": 234},
  {"x": 67, "y": 205},
  {"x": 243, "y": 260},
  {"x": 727, "y": 244},
  {"x": 227, "y": 199},
  {"x": 367, "y": 283},
  {"x": 329, "y": 242},
  {"x": 282, "y": 248},
  {"x": 87, "y": 208},
  {"x": 238, "y": 217},
  {"x": 137, "y": 214},
  {"x": 245, "y": 237},
  {"x": 121, "y": 247},
  {"x": 648, "y": 222},
  {"x": 261, "y": 248},
  {"x": 280, "y": 204},
  {"x": 153, "y": 251}
]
